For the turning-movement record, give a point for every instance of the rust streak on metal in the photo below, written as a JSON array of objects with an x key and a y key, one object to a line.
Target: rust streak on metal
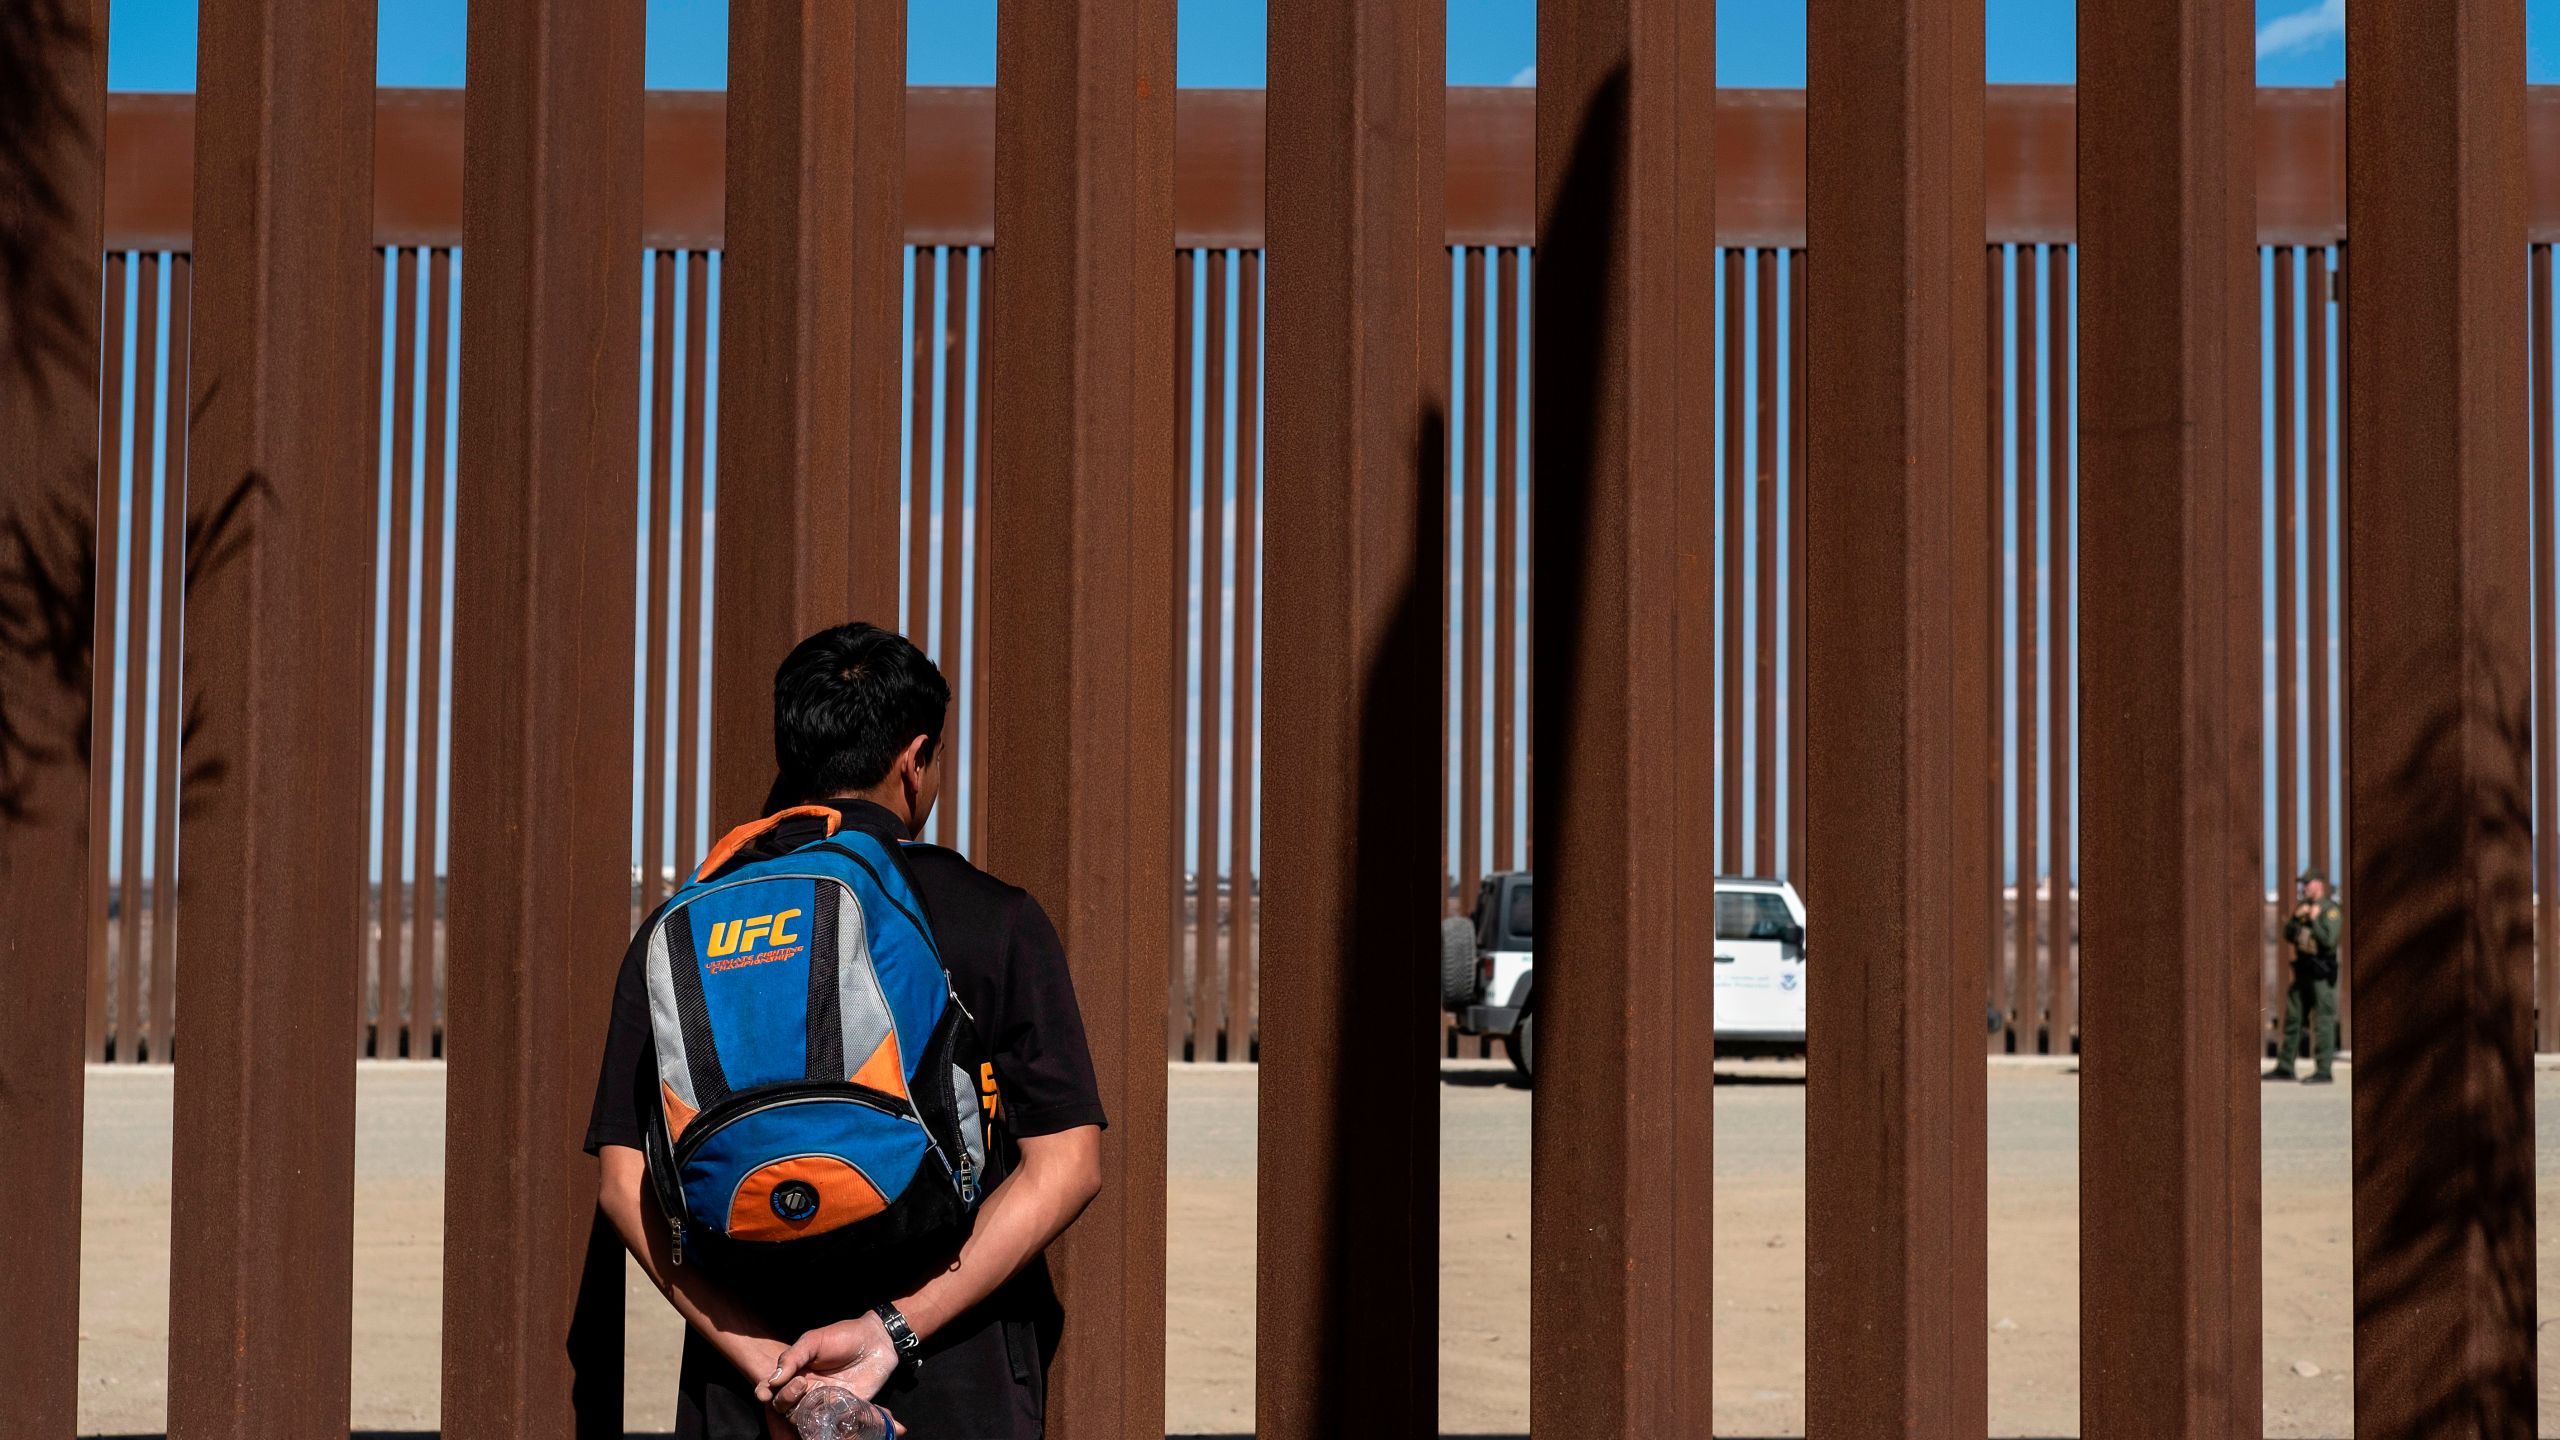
[
  {"x": 2439, "y": 684},
  {"x": 54, "y": 503},
  {"x": 1358, "y": 433},
  {"x": 1894, "y": 1104},
  {"x": 2169, "y": 723},
  {"x": 1083, "y": 481},
  {"x": 263, "y": 1147}
]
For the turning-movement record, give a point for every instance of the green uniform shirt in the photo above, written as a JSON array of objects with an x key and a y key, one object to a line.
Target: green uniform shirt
[{"x": 2319, "y": 934}]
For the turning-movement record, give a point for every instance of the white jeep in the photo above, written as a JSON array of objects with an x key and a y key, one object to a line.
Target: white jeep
[{"x": 1487, "y": 965}]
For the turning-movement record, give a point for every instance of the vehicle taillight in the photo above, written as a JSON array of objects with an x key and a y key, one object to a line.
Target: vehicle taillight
[{"x": 1484, "y": 970}]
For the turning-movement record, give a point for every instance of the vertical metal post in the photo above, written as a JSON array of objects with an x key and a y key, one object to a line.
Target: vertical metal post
[
  {"x": 1242, "y": 907},
  {"x": 878, "y": 235},
  {"x": 1206, "y": 991},
  {"x": 2032, "y": 975},
  {"x": 173, "y": 608},
  {"x": 2170, "y": 857},
  {"x": 980, "y": 601},
  {"x": 2321, "y": 617},
  {"x": 953, "y": 521},
  {"x": 1995, "y": 633},
  {"x": 1467, "y": 455},
  {"x": 689, "y": 571},
  {"x": 2546, "y": 672},
  {"x": 1764, "y": 566},
  {"x": 1620, "y": 192},
  {"x": 1893, "y": 1129},
  {"x": 1796, "y": 768},
  {"x": 2058, "y": 667},
  {"x": 787, "y": 560},
  {"x": 426, "y": 1006},
  {"x": 2439, "y": 684},
  {"x": 1733, "y": 784},
  {"x": 540, "y": 902},
  {"x": 1506, "y": 561},
  {"x": 137, "y": 657},
  {"x": 1357, "y": 437},
  {"x": 97, "y": 739},
  {"x": 396, "y": 649},
  {"x": 1178, "y": 1000},
  {"x": 49, "y": 409},
  {"x": 263, "y": 1155},
  {"x": 2288, "y": 486},
  {"x": 918, "y": 518},
  {"x": 1082, "y": 486},
  {"x": 656, "y": 655}
]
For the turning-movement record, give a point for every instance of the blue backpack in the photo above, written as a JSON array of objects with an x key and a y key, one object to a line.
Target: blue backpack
[{"x": 818, "y": 1080}]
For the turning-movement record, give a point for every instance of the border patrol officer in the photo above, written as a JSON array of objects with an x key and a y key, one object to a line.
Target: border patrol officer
[{"x": 2312, "y": 932}]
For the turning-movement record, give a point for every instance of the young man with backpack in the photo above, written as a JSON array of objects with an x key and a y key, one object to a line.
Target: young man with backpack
[{"x": 846, "y": 1100}]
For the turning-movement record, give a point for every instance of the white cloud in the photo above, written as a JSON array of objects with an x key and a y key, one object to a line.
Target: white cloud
[
  {"x": 2305, "y": 29},
  {"x": 1528, "y": 76}
]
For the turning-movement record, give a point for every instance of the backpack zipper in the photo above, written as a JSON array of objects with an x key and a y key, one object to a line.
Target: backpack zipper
[{"x": 774, "y": 1097}]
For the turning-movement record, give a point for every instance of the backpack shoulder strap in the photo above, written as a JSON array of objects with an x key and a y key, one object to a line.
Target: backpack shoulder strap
[{"x": 743, "y": 840}]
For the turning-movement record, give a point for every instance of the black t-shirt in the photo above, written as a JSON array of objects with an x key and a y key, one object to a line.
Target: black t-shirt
[{"x": 984, "y": 1374}]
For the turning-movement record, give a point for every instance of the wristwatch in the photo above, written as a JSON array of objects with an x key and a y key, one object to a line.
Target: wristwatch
[{"x": 905, "y": 1341}]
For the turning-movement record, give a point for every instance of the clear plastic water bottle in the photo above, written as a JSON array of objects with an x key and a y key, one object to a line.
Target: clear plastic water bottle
[{"x": 831, "y": 1412}]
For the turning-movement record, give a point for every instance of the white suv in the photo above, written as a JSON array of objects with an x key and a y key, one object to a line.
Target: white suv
[{"x": 1487, "y": 963}]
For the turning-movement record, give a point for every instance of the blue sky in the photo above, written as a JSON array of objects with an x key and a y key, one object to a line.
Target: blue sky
[{"x": 1491, "y": 42}]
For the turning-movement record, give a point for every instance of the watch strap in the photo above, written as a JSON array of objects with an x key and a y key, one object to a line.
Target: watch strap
[{"x": 905, "y": 1340}]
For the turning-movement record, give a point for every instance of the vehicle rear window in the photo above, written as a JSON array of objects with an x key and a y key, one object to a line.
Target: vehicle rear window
[
  {"x": 1520, "y": 913},
  {"x": 1753, "y": 915}
]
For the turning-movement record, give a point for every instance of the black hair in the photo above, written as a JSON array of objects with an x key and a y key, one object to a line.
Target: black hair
[{"x": 846, "y": 701}]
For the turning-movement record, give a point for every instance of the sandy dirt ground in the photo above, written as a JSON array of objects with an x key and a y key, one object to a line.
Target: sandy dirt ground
[{"x": 1484, "y": 1309}]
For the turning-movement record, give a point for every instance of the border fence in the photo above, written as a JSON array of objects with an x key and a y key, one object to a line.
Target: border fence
[
  {"x": 1678, "y": 389},
  {"x": 1757, "y": 416}
]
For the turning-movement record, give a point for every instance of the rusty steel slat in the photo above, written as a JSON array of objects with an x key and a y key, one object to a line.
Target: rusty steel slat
[
  {"x": 398, "y": 646},
  {"x": 1084, "y": 478},
  {"x": 1242, "y": 907},
  {"x": 2034, "y": 995},
  {"x": 1764, "y": 562},
  {"x": 1731, "y": 783},
  {"x": 2439, "y": 684},
  {"x": 1467, "y": 458},
  {"x": 2318, "y": 616},
  {"x": 916, "y": 519},
  {"x": 697, "y": 311},
  {"x": 376, "y": 287},
  {"x": 533, "y": 1273},
  {"x": 1470, "y": 605},
  {"x": 979, "y": 603},
  {"x": 2288, "y": 488},
  {"x": 1206, "y": 976},
  {"x": 172, "y": 677},
  {"x": 52, "y": 509},
  {"x": 96, "y": 743},
  {"x": 1506, "y": 562},
  {"x": 891, "y": 194},
  {"x": 1795, "y": 572},
  {"x": 2058, "y": 668},
  {"x": 785, "y": 552},
  {"x": 2546, "y": 670},
  {"x": 952, "y": 517},
  {"x": 1689, "y": 1181},
  {"x": 1178, "y": 1000},
  {"x": 2346, "y": 654},
  {"x": 2170, "y": 662},
  {"x": 1609, "y": 367},
  {"x": 426, "y": 1028},
  {"x": 136, "y": 656},
  {"x": 2003, "y": 979},
  {"x": 1894, "y": 1126},
  {"x": 1528, "y": 571},
  {"x": 263, "y": 1143},
  {"x": 1358, "y": 439},
  {"x": 654, "y": 658}
]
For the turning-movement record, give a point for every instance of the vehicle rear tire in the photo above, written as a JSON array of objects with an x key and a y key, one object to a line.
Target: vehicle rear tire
[
  {"x": 1457, "y": 962},
  {"x": 1521, "y": 1045}
]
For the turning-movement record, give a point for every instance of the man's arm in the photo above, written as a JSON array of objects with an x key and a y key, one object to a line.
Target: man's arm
[
  {"x": 1059, "y": 1175},
  {"x": 627, "y": 1201}
]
